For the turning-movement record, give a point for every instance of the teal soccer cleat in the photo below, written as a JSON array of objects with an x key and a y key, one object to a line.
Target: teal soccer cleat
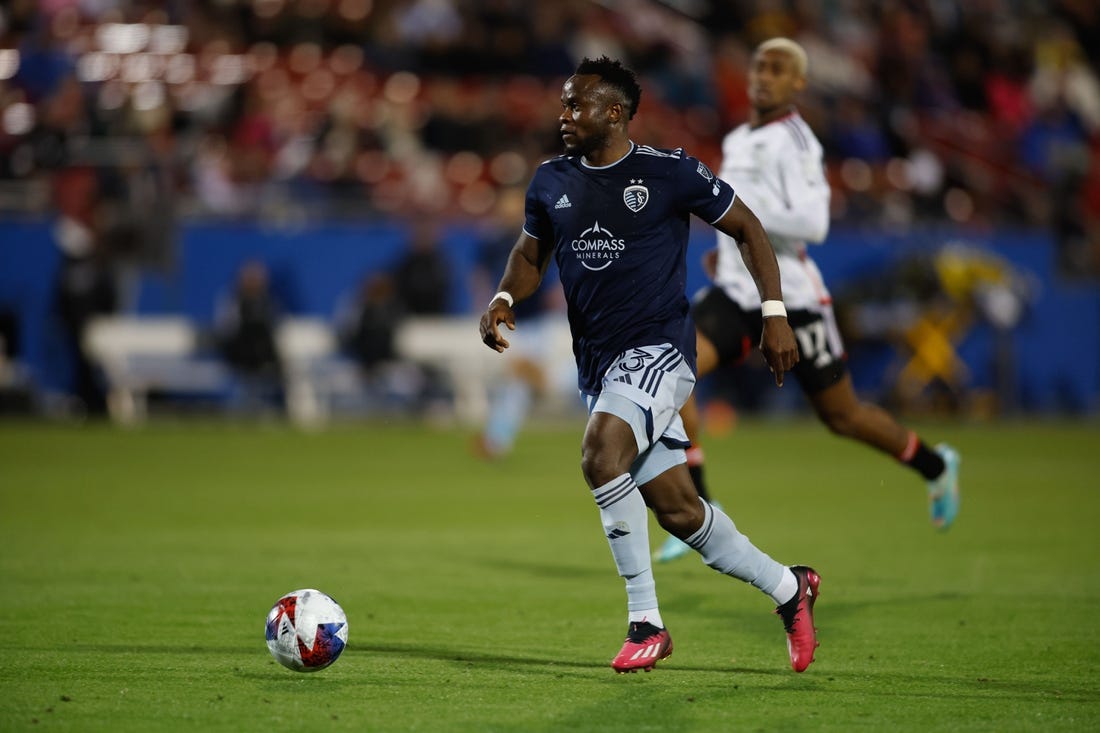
[
  {"x": 672, "y": 549},
  {"x": 943, "y": 492}
]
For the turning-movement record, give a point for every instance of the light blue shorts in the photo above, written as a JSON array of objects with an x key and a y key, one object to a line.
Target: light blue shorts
[{"x": 646, "y": 387}]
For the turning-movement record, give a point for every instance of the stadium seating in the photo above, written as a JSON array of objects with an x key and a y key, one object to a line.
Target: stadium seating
[{"x": 139, "y": 355}]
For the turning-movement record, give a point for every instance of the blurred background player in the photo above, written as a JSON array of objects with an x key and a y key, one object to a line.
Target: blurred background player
[
  {"x": 540, "y": 360},
  {"x": 541, "y": 369},
  {"x": 774, "y": 162}
]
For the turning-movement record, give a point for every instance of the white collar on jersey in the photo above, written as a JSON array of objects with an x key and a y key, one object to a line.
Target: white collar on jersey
[{"x": 603, "y": 167}]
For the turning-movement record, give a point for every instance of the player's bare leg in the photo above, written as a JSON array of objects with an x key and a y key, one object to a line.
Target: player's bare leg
[
  {"x": 838, "y": 407},
  {"x": 843, "y": 413},
  {"x": 706, "y": 361},
  {"x": 674, "y": 502}
]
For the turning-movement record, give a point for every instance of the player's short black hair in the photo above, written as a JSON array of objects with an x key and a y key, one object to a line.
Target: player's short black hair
[{"x": 615, "y": 75}]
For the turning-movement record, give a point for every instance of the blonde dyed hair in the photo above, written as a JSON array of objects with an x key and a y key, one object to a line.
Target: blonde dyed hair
[{"x": 789, "y": 47}]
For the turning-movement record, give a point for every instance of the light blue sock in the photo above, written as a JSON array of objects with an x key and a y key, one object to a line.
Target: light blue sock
[
  {"x": 626, "y": 525},
  {"x": 728, "y": 551},
  {"x": 507, "y": 413}
]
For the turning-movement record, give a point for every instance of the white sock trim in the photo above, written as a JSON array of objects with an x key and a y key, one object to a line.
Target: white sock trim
[
  {"x": 614, "y": 490},
  {"x": 649, "y": 615},
  {"x": 787, "y": 588}
]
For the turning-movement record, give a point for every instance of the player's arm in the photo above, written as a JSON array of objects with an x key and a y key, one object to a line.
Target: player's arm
[
  {"x": 522, "y": 275},
  {"x": 777, "y": 340},
  {"x": 802, "y": 212}
]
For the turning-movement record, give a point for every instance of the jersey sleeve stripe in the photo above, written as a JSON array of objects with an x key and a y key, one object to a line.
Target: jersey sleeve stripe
[
  {"x": 796, "y": 133},
  {"x": 529, "y": 234},
  {"x": 726, "y": 210},
  {"x": 648, "y": 150}
]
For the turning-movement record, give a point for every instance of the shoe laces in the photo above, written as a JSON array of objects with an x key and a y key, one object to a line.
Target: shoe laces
[{"x": 788, "y": 611}]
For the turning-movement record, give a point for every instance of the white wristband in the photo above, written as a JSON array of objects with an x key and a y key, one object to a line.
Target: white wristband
[
  {"x": 503, "y": 295},
  {"x": 771, "y": 308}
]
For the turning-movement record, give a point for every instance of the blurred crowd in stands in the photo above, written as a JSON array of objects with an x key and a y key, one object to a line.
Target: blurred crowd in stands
[{"x": 125, "y": 115}]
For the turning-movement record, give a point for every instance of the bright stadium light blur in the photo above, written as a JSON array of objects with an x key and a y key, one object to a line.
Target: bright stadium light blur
[
  {"x": 477, "y": 198},
  {"x": 148, "y": 95},
  {"x": 304, "y": 58},
  {"x": 112, "y": 95},
  {"x": 857, "y": 175},
  {"x": 354, "y": 10},
  {"x": 273, "y": 83},
  {"x": 508, "y": 168},
  {"x": 168, "y": 39},
  {"x": 96, "y": 67},
  {"x": 372, "y": 166},
  {"x": 959, "y": 205},
  {"x": 141, "y": 67},
  {"x": 897, "y": 173},
  {"x": 318, "y": 85},
  {"x": 267, "y": 8},
  {"x": 122, "y": 37},
  {"x": 229, "y": 69},
  {"x": 346, "y": 59},
  {"x": 464, "y": 167},
  {"x": 402, "y": 87},
  {"x": 180, "y": 68},
  {"x": 9, "y": 62},
  {"x": 925, "y": 171},
  {"x": 18, "y": 119},
  {"x": 262, "y": 56}
]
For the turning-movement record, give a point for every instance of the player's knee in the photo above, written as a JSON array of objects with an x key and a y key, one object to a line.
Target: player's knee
[
  {"x": 839, "y": 422},
  {"x": 682, "y": 519},
  {"x": 600, "y": 465}
]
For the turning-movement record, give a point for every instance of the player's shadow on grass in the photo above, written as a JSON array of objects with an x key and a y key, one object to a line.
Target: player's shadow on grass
[
  {"x": 702, "y": 605},
  {"x": 522, "y": 661}
]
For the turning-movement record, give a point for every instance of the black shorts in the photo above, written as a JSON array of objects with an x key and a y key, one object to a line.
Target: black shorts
[{"x": 735, "y": 331}]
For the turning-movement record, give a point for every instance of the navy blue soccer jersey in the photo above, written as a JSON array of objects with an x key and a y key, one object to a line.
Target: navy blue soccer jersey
[{"x": 620, "y": 235}]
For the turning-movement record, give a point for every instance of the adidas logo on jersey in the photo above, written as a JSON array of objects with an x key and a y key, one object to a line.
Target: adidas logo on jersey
[{"x": 563, "y": 203}]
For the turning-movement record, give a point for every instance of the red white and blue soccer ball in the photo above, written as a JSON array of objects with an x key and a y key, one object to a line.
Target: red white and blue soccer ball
[{"x": 306, "y": 630}]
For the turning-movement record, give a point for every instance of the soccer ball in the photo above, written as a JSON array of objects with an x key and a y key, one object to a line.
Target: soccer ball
[{"x": 306, "y": 630}]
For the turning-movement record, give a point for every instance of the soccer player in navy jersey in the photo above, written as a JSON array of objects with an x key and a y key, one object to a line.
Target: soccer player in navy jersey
[
  {"x": 614, "y": 215},
  {"x": 775, "y": 161}
]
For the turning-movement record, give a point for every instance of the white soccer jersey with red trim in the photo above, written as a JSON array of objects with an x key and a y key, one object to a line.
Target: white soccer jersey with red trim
[{"x": 777, "y": 171}]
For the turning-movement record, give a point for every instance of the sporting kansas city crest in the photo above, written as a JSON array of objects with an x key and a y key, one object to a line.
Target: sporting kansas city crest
[{"x": 635, "y": 196}]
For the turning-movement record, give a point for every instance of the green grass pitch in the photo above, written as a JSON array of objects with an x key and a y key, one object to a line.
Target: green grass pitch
[{"x": 138, "y": 568}]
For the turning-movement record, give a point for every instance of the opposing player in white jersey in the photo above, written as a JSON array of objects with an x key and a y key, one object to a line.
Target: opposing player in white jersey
[
  {"x": 774, "y": 162},
  {"x": 615, "y": 218}
]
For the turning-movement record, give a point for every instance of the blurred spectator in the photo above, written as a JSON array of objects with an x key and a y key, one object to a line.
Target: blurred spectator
[
  {"x": 16, "y": 386},
  {"x": 368, "y": 323},
  {"x": 422, "y": 276},
  {"x": 86, "y": 284},
  {"x": 288, "y": 109},
  {"x": 245, "y": 325},
  {"x": 367, "y": 326}
]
